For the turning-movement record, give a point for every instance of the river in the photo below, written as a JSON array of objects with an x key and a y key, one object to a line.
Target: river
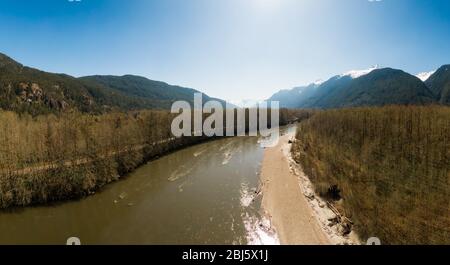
[{"x": 203, "y": 194}]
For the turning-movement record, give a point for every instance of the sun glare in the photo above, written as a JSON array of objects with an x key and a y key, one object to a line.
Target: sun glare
[{"x": 266, "y": 4}]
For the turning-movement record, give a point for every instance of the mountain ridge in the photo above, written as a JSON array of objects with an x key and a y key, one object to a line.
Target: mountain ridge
[
  {"x": 28, "y": 90},
  {"x": 373, "y": 87},
  {"x": 439, "y": 84}
]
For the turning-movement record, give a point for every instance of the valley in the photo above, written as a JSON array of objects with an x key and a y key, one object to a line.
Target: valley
[{"x": 369, "y": 157}]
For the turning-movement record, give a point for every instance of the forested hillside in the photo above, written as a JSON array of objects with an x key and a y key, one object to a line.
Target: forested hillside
[
  {"x": 379, "y": 87},
  {"x": 161, "y": 94},
  {"x": 293, "y": 98},
  {"x": 439, "y": 83},
  {"x": 388, "y": 169},
  {"x": 70, "y": 155},
  {"x": 28, "y": 90}
]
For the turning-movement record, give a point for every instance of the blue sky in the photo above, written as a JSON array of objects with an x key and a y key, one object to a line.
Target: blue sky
[{"x": 232, "y": 49}]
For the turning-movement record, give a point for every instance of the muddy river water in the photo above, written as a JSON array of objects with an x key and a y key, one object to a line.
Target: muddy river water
[{"x": 204, "y": 194}]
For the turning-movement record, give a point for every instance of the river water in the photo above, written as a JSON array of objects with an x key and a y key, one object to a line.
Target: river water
[{"x": 204, "y": 194}]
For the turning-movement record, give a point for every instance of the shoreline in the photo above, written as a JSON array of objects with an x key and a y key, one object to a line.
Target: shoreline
[
  {"x": 145, "y": 155},
  {"x": 298, "y": 216}
]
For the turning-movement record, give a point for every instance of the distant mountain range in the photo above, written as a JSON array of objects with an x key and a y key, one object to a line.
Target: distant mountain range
[
  {"x": 439, "y": 84},
  {"x": 28, "y": 90},
  {"x": 25, "y": 89},
  {"x": 372, "y": 87}
]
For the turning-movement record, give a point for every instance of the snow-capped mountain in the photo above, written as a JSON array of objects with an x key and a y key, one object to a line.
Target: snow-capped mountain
[
  {"x": 425, "y": 75},
  {"x": 370, "y": 87},
  {"x": 318, "y": 82},
  {"x": 358, "y": 73},
  {"x": 439, "y": 84}
]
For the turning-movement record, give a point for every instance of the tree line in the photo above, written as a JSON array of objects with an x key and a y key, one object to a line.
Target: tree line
[
  {"x": 389, "y": 165},
  {"x": 70, "y": 155}
]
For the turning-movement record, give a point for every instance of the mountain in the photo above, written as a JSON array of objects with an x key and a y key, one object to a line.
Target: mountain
[
  {"x": 324, "y": 92},
  {"x": 358, "y": 73},
  {"x": 379, "y": 87},
  {"x": 293, "y": 98},
  {"x": 161, "y": 94},
  {"x": 28, "y": 90},
  {"x": 372, "y": 87},
  {"x": 315, "y": 95},
  {"x": 25, "y": 89},
  {"x": 424, "y": 75},
  {"x": 439, "y": 84}
]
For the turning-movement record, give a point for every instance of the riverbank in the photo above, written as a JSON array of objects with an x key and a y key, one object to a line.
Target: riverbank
[
  {"x": 188, "y": 197},
  {"x": 67, "y": 156},
  {"x": 386, "y": 168},
  {"x": 75, "y": 178},
  {"x": 298, "y": 218}
]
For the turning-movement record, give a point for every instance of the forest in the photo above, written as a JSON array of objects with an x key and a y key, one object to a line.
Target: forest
[
  {"x": 386, "y": 168},
  {"x": 72, "y": 154}
]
